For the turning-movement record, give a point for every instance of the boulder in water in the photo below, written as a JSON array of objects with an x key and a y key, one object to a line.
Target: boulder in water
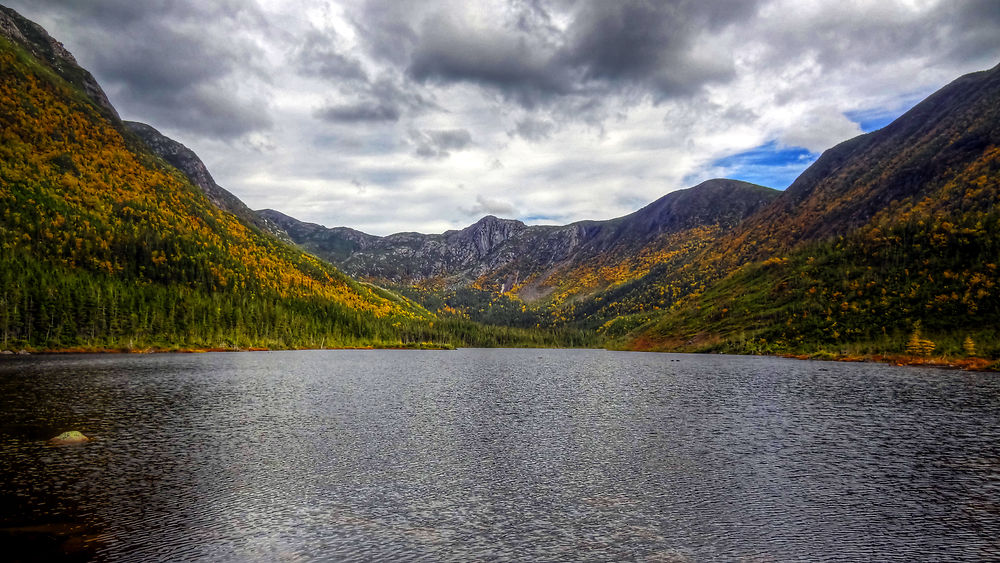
[{"x": 68, "y": 438}]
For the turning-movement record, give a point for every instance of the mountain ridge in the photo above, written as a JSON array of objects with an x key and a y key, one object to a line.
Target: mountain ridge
[
  {"x": 185, "y": 160},
  {"x": 890, "y": 236},
  {"x": 33, "y": 37},
  {"x": 493, "y": 246}
]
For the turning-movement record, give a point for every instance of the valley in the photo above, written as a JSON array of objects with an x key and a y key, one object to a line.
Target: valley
[{"x": 115, "y": 236}]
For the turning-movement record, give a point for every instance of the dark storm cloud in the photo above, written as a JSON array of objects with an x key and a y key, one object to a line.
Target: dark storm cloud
[
  {"x": 651, "y": 44},
  {"x": 439, "y": 143},
  {"x": 979, "y": 23},
  {"x": 837, "y": 38},
  {"x": 206, "y": 109},
  {"x": 386, "y": 27},
  {"x": 169, "y": 59},
  {"x": 359, "y": 112},
  {"x": 654, "y": 48},
  {"x": 515, "y": 59}
]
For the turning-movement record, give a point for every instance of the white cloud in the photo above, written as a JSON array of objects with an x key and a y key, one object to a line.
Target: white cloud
[
  {"x": 820, "y": 129},
  {"x": 490, "y": 206},
  {"x": 594, "y": 110}
]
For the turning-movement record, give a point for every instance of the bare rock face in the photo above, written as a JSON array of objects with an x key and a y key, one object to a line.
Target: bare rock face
[
  {"x": 485, "y": 235},
  {"x": 505, "y": 251},
  {"x": 39, "y": 43},
  {"x": 70, "y": 438}
]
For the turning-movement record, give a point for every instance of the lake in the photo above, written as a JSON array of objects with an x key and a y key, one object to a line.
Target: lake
[{"x": 529, "y": 455}]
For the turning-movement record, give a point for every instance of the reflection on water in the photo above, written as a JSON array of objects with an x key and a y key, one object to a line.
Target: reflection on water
[{"x": 496, "y": 454}]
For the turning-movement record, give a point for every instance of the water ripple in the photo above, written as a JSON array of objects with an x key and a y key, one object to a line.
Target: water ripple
[{"x": 521, "y": 455}]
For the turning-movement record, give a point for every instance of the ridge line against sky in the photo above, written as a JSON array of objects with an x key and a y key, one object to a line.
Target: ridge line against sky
[{"x": 390, "y": 116}]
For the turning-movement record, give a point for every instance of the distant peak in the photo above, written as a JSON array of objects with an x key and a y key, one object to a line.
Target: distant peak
[
  {"x": 728, "y": 184},
  {"x": 492, "y": 222},
  {"x": 492, "y": 219}
]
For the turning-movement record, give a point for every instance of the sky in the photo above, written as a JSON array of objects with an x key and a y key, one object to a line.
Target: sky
[{"x": 396, "y": 115}]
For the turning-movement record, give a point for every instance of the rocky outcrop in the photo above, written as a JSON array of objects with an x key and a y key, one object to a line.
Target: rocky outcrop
[{"x": 33, "y": 38}]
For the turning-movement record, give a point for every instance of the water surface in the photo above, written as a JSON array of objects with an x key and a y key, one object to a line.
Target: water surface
[{"x": 531, "y": 455}]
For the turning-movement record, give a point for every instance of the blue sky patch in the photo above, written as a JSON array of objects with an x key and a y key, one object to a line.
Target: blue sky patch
[
  {"x": 770, "y": 165},
  {"x": 872, "y": 119}
]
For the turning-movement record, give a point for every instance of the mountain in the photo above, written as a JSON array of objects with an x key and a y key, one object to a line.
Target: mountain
[
  {"x": 35, "y": 40},
  {"x": 911, "y": 159},
  {"x": 185, "y": 160},
  {"x": 105, "y": 245},
  {"x": 888, "y": 239},
  {"x": 507, "y": 255},
  {"x": 115, "y": 236}
]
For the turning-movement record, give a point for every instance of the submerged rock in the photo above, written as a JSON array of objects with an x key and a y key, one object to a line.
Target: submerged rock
[{"x": 67, "y": 438}]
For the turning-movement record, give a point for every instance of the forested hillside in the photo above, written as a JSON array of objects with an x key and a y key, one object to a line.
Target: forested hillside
[
  {"x": 103, "y": 245},
  {"x": 501, "y": 271},
  {"x": 888, "y": 240}
]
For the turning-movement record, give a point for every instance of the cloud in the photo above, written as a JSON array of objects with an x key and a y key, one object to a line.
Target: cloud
[
  {"x": 207, "y": 110},
  {"x": 383, "y": 99},
  {"x": 511, "y": 62},
  {"x": 592, "y": 107},
  {"x": 977, "y": 22},
  {"x": 439, "y": 143},
  {"x": 490, "y": 206},
  {"x": 318, "y": 55},
  {"x": 651, "y": 45},
  {"x": 531, "y": 129},
  {"x": 880, "y": 32},
  {"x": 158, "y": 58},
  {"x": 820, "y": 129},
  {"x": 634, "y": 46},
  {"x": 358, "y": 112}
]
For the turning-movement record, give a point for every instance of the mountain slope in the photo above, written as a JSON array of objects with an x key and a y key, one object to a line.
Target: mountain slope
[
  {"x": 502, "y": 254},
  {"x": 185, "y": 160},
  {"x": 912, "y": 158},
  {"x": 888, "y": 237},
  {"x": 35, "y": 40},
  {"x": 101, "y": 244}
]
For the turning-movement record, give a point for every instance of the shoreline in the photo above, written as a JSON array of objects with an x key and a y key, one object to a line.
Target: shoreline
[
  {"x": 962, "y": 364},
  {"x": 155, "y": 350}
]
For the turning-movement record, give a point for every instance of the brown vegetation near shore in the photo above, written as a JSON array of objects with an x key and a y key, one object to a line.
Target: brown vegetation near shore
[{"x": 966, "y": 364}]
